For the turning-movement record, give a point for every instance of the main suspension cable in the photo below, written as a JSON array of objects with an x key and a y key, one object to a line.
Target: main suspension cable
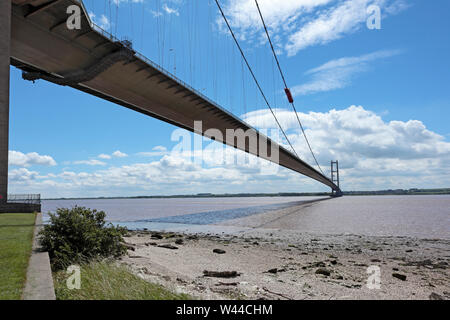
[
  {"x": 286, "y": 88},
  {"x": 253, "y": 75}
]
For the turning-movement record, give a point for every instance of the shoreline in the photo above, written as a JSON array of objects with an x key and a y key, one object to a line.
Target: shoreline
[{"x": 281, "y": 264}]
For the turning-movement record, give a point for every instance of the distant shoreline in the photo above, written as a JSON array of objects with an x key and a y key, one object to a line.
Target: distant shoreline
[{"x": 443, "y": 191}]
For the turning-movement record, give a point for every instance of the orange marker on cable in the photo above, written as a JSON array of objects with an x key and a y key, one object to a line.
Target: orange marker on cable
[{"x": 289, "y": 95}]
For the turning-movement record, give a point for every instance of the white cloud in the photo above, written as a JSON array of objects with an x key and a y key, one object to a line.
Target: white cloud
[
  {"x": 104, "y": 156},
  {"x": 338, "y": 73},
  {"x": 156, "y": 151},
  {"x": 118, "y": 2},
  {"x": 159, "y": 148},
  {"x": 299, "y": 24},
  {"x": 169, "y": 10},
  {"x": 22, "y": 175},
  {"x": 20, "y": 159},
  {"x": 92, "y": 162},
  {"x": 355, "y": 135},
  {"x": 278, "y": 14},
  {"x": 119, "y": 154},
  {"x": 103, "y": 22}
]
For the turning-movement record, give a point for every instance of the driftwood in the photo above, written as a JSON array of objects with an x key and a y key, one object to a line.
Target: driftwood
[
  {"x": 168, "y": 246},
  {"x": 278, "y": 294},
  {"x": 221, "y": 274},
  {"x": 220, "y": 283}
]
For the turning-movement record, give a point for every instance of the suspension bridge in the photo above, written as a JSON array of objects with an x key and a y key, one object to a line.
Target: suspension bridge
[{"x": 34, "y": 37}]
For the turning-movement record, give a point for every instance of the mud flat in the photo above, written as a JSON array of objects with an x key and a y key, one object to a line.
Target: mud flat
[{"x": 282, "y": 264}]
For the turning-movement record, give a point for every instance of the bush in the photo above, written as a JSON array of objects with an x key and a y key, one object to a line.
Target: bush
[{"x": 79, "y": 235}]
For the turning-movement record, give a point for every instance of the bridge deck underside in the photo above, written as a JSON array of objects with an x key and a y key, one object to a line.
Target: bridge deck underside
[{"x": 41, "y": 42}]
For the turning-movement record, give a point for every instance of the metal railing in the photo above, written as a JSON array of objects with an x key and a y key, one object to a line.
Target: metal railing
[{"x": 24, "y": 198}]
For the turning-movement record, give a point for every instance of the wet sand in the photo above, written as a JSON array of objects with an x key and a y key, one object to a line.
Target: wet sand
[{"x": 273, "y": 262}]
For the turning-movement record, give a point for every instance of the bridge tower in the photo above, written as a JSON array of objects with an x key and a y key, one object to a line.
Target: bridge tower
[
  {"x": 335, "y": 177},
  {"x": 5, "y": 49}
]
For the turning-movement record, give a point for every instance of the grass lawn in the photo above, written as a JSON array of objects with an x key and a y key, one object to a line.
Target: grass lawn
[
  {"x": 16, "y": 235},
  {"x": 108, "y": 281}
]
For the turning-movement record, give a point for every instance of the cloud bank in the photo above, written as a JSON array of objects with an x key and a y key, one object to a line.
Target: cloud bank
[{"x": 373, "y": 154}]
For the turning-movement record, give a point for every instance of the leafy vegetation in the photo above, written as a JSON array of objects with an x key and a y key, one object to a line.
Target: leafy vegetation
[
  {"x": 78, "y": 235},
  {"x": 16, "y": 236},
  {"x": 109, "y": 281}
]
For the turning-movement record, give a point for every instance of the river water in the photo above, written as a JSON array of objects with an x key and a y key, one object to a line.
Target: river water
[{"x": 416, "y": 216}]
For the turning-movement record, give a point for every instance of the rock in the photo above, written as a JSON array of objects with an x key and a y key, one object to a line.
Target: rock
[
  {"x": 435, "y": 296},
  {"x": 375, "y": 260},
  {"x": 333, "y": 262},
  {"x": 399, "y": 276},
  {"x": 319, "y": 264},
  {"x": 221, "y": 274},
  {"x": 167, "y": 246},
  {"x": 274, "y": 270},
  {"x": 323, "y": 271},
  {"x": 156, "y": 236},
  {"x": 129, "y": 246},
  {"x": 219, "y": 251},
  {"x": 179, "y": 241},
  {"x": 181, "y": 281},
  {"x": 394, "y": 269},
  {"x": 361, "y": 265},
  {"x": 256, "y": 243}
]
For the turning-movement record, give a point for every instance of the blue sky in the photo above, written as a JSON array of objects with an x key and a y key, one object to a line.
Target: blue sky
[{"x": 377, "y": 100}]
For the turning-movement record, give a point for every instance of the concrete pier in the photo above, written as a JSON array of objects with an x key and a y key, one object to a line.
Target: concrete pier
[{"x": 5, "y": 49}]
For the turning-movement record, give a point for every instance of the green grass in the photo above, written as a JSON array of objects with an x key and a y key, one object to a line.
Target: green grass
[
  {"x": 16, "y": 235},
  {"x": 109, "y": 281}
]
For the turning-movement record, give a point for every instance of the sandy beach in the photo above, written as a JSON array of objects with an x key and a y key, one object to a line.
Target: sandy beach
[{"x": 269, "y": 262}]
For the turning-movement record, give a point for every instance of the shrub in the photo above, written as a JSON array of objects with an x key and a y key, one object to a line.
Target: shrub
[{"x": 79, "y": 235}]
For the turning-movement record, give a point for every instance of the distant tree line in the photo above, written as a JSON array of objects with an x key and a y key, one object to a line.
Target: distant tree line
[{"x": 413, "y": 191}]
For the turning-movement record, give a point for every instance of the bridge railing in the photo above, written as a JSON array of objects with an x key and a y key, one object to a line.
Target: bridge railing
[{"x": 24, "y": 198}]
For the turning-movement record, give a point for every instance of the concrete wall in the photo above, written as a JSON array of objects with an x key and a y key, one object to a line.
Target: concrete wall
[
  {"x": 19, "y": 208},
  {"x": 39, "y": 283},
  {"x": 5, "y": 48}
]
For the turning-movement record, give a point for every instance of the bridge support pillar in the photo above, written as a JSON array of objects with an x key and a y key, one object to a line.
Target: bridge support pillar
[
  {"x": 335, "y": 178},
  {"x": 5, "y": 49}
]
